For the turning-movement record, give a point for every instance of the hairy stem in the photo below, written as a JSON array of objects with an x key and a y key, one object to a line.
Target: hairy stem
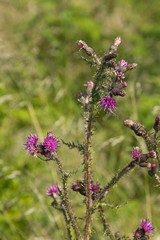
[
  {"x": 87, "y": 162},
  {"x": 105, "y": 223},
  {"x": 66, "y": 199}
]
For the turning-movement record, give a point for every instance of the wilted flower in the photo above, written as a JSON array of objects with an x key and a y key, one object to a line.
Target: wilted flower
[
  {"x": 31, "y": 144},
  {"x": 53, "y": 190},
  {"x": 108, "y": 103}
]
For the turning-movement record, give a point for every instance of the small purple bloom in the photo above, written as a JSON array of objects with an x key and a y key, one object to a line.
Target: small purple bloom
[
  {"x": 94, "y": 187},
  {"x": 50, "y": 144},
  {"x": 31, "y": 144},
  {"x": 147, "y": 226},
  {"x": 90, "y": 84},
  {"x": 108, "y": 103},
  {"x": 53, "y": 190},
  {"x": 144, "y": 231},
  {"x": 122, "y": 64},
  {"x": 137, "y": 234},
  {"x": 152, "y": 154},
  {"x": 136, "y": 153},
  {"x": 120, "y": 76},
  {"x": 124, "y": 84}
]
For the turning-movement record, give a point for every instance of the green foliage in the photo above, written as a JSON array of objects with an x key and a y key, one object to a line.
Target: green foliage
[{"x": 41, "y": 76}]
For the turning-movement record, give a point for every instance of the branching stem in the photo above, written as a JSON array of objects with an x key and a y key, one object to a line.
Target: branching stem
[{"x": 114, "y": 180}]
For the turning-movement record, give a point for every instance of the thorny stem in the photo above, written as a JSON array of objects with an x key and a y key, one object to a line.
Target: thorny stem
[
  {"x": 66, "y": 198},
  {"x": 67, "y": 220},
  {"x": 105, "y": 223},
  {"x": 87, "y": 162},
  {"x": 114, "y": 180},
  {"x": 88, "y": 116},
  {"x": 61, "y": 207},
  {"x": 156, "y": 147}
]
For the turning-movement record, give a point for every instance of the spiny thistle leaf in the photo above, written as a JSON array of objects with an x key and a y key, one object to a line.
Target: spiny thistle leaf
[{"x": 72, "y": 145}]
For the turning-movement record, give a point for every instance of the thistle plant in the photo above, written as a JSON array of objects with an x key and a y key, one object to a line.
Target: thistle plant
[{"x": 101, "y": 94}]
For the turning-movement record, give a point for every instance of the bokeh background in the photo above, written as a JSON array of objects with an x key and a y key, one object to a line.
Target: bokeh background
[{"x": 41, "y": 75}]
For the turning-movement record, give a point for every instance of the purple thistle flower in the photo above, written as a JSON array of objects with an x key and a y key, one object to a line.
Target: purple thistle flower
[
  {"x": 147, "y": 226},
  {"x": 124, "y": 84},
  {"x": 94, "y": 187},
  {"x": 120, "y": 76},
  {"x": 122, "y": 64},
  {"x": 50, "y": 144},
  {"x": 108, "y": 103},
  {"x": 136, "y": 153},
  {"x": 144, "y": 231},
  {"x": 31, "y": 144},
  {"x": 53, "y": 190}
]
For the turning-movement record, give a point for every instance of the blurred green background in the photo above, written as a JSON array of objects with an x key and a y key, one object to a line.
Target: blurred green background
[{"x": 41, "y": 75}]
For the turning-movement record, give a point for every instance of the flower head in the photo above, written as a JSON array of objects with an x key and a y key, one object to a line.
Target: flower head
[
  {"x": 50, "y": 144},
  {"x": 31, "y": 144},
  {"x": 53, "y": 190},
  {"x": 108, "y": 103},
  {"x": 136, "y": 153},
  {"x": 147, "y": 226},
  {"x": 122, "y": 64},
  {"x": 120, "y": 76},
  {"x": 94, "y": 187},
  {"x": 144, "y": 231}
]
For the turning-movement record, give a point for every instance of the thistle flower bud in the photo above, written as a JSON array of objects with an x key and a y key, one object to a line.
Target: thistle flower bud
[
  {"x": 115, "y": 45},
  {"x": 152, "y": 154},
  {"x": 157, "y": 124},
  {"x": 138, "y": 128},
  {"x": 85, "y": 47},
  {"x": 90, "y": 86},
  {"x": 131, "y": 66},
  {"x": 145, "y": 164},
  {"x": 118, "y": 92},
  {"x": 136, "y": 153},
  {"x": 153, "y": 169},
  {"x": 117, "y": 41},
  {"x": 124, "y": 84}
]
